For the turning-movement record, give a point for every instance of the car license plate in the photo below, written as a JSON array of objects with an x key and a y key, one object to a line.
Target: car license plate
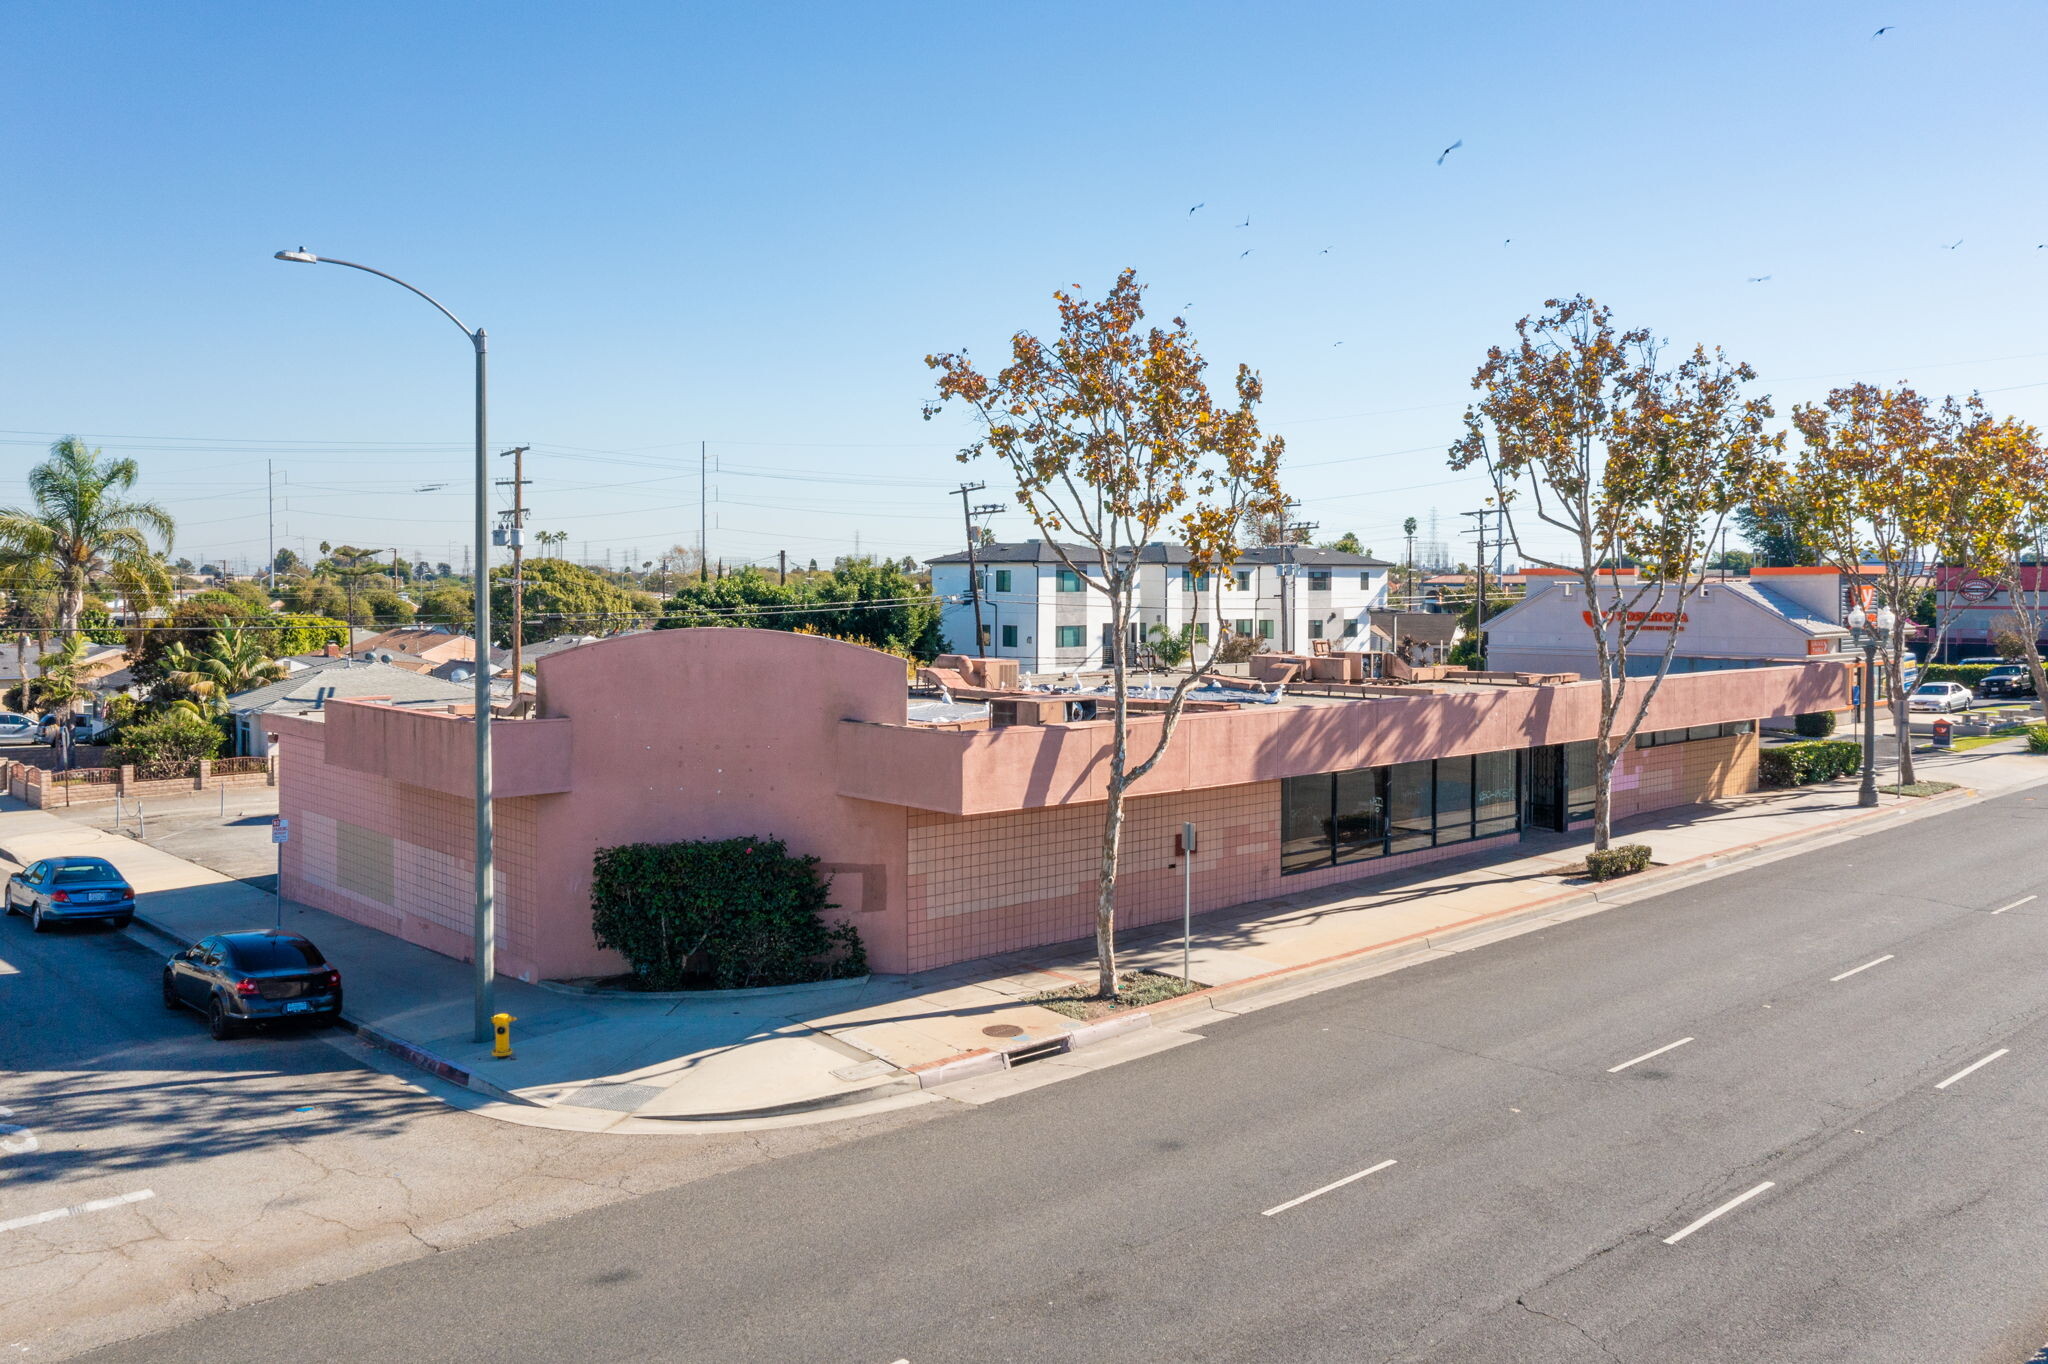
[
  {"x": 95, "y": 897},
  {"x": 298, "y": 1006}
]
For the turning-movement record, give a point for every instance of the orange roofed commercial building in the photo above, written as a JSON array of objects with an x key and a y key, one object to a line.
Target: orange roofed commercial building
[{"x": 968, "y": 826}]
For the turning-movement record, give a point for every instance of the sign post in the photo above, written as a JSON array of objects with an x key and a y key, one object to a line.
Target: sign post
[
  {"x": 280, "y": 834},
  {"x": 1187, "y": 896}
]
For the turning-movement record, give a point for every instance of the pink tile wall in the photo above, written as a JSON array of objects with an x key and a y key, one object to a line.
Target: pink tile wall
[
  {"x": 433, "y": 856},
  {"x": 985, "y": 884}
]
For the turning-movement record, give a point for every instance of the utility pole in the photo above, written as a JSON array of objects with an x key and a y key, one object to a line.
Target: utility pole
[
  {"x": 703, "y": 515},
  {"x": 1292, "y": 533},
  {"x": 270, "y": 504},
  {"x": 968, "y": 512},
  {"x": 514, "y": 533},
  {"x": 781, "y": 567}
]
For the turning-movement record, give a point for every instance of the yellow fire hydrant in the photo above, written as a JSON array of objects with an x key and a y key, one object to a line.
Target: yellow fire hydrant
[{"x": 501, "y": 1033}]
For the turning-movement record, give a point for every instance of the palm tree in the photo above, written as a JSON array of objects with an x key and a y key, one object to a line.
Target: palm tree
[
  {"x": 231, "y": 664},
  {"x": 82, "y": 529}
]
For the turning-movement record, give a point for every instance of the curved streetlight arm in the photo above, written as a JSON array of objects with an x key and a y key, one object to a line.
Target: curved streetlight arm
[{"x": 311, "y": 259}]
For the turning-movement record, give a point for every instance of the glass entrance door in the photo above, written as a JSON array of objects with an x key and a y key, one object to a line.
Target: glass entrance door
[{"x": 1543, "y": 797}]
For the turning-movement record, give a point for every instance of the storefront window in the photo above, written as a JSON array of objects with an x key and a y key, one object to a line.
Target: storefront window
[
  {"x": 1493, "y": 794},
  {"x": 1411, "y": 806},
  {"x": 1361, "y": 815},
  {"x": 1453, "y": 800},
  {"x": 1305, "y": 822}
]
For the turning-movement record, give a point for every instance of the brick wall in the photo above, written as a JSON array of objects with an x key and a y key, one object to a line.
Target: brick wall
[{"x": 401, "y": 859}]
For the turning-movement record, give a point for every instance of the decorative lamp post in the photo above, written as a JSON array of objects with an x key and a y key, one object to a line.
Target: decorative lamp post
[{"x": 1869, "y": 627}]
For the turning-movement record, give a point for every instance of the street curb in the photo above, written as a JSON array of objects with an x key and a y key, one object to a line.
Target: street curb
[
  {"x": 1217, "y": 998},
  {"x": 412, "y": 1053}
]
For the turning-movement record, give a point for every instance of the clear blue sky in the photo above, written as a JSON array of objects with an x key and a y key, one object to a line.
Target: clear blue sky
[{"x": 749, "y": 223}]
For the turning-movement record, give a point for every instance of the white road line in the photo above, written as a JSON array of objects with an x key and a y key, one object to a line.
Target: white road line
[
  {"x": 1864, "y": 967},
  {"x": 1730, "y": 1206},
  {"x": 2015, "y": 904},
  {"x": 97, "y": 1205},
  {"x": 1974, "y": 1065},
  {"x": 1318, "y": 1193},
  {"x": 1611, "y": 1070}
]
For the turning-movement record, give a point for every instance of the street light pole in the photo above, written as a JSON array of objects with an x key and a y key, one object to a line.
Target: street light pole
[
  {"x": 483, "y": 954},
  {"x": 1868, "y": 794}
]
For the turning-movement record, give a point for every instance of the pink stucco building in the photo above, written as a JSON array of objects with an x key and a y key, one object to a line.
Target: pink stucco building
[{"x": 946, "y": 843}]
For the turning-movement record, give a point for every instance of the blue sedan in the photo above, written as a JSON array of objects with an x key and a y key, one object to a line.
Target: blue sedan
[
  {"x": 61, "y": 888},
  {"x": 253, "y": 976}
]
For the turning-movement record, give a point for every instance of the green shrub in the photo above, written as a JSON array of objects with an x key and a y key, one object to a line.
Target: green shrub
[
  {"x": 167, "y": 747},
  {"x": 1969, "y": 674},
  {"x": 1814, "y": 724},
  {"x": 2037, "y": 738},
  {"x": 1802, "y": 764},
  {"x": 1625, "y": 860},
  {"x": 727, "y": 913}
]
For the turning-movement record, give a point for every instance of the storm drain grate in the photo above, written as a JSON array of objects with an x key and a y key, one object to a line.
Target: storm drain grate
[
  {"x": 621, "y": 1098},
  {"x": 1026, "y": 1055}
]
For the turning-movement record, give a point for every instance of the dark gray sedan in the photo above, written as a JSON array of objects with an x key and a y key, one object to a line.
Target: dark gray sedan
[
  {"x": 63, "y": 888},
  {"x": 255, "y": 976}
]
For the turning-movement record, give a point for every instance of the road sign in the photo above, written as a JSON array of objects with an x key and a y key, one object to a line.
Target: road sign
[{"x": 280, "y": 830}]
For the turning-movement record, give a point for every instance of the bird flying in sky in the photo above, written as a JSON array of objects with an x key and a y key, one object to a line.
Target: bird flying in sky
[
  {"x": 1448, "y": 150},
  {"x": 1758, "y": 279},
  {"x": 1203, "y": 204},
  {"x": 1886, "y": 29},
  {"x": 1242, "y": 254},
  {"x": 1953, "y": 245},
  {"x": 1247, "y": 221}
]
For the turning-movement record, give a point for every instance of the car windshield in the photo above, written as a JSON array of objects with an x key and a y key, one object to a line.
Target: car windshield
[
  {"x": 1933, "y": 689},
  {"x": 83, "y": 873},
  {"x": 274, "y": 954}
]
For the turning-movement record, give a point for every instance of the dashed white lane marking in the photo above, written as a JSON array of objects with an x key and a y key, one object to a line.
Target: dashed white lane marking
[
  {"x": 1730, "y": 1206},
  {"x": 2015, "y": 904},
  {"x": 1613, "y": 1070},
  {"x": 97, "y": 1205},
  {"x": 16, "y": 1141},
  {"x": 1864, "y": 967},
  {"x": 1974, "y": 1065},
  {"x": 1318, "y": 1193}
]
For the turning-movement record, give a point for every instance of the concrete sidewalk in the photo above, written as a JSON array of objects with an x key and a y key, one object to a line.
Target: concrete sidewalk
[{"x": 650, "y": 1063}]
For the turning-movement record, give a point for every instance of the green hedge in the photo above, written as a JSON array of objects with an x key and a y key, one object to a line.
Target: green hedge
[
  {"x": 727, "y": 914},
  {"x": 1814, "y": 724},
  {"x": 2037, "y": 738},
  {"x": 1625, "y": 860},
  {"x": 1969, "y": 674},
  {"x": 1802, "y": 764}
]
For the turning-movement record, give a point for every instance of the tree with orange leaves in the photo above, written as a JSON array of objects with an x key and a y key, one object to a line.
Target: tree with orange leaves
[
  {"x": 1592, "y": 444},
  {"x": 1113, "y": 437},
  {"x": 1878, "y": 484}
]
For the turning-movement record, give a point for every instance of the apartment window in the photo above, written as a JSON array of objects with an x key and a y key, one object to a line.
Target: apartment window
[
  {"x": 1067, "y": 581},
  {"x": 1068, "y": 637},
  {"x": 1244, "y": 580},
  {"x": 1002, "y": 580},
  {"x": 1351, "y": 629},
  {"x": 1315, "y": 629},
  {"x": 1194, "y": 582},
  {"x": 1201, "y": 632},
  {"x": 1009, "y": 636},
  {"x": 1265, "y": 629},
  {"x": 1243, "y": 627},
  {"x": 1319, "y": 580}
]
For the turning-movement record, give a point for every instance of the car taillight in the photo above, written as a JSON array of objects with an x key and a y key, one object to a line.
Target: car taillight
[
  {"x": 60, "y": 897},
  {"x": 127, "y": 893},
  {"x": 245, "y": 987},
  {"x": 333, "y": 979}
]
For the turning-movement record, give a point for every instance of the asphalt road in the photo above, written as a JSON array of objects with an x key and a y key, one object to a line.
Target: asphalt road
[
  {"x": 1540, "y": 1204},
  {"x": 251, "y": 1168}
]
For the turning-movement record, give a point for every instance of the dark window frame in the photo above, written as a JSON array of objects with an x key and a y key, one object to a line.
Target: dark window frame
[{"x": 1313, "y": 799}]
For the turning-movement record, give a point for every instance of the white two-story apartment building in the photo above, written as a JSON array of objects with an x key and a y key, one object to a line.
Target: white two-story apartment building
[{"x": 1036, "y": 609}]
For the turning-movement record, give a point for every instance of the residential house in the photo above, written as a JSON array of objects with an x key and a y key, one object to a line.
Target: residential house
[{"x": 311, "y": 688}]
